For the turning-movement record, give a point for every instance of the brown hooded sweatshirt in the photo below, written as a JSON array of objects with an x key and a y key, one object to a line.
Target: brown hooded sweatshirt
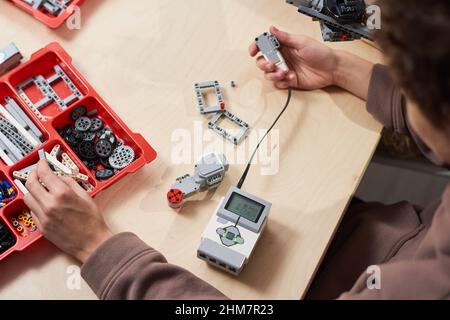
[{"x": 409, "y": 246}]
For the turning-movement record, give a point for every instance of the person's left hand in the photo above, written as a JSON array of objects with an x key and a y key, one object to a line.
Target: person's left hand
[
  {"x": 64, "y": 213},
  {"x": 312, "y": 64}
]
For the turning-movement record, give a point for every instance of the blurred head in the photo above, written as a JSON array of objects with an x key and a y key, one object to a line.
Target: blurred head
[{"x": 415, "y": 37}]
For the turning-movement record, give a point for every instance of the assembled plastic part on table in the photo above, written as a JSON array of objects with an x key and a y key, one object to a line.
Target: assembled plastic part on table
[
  {"x": 47, "y": 18},
  {"x": 43, "y": 63}
]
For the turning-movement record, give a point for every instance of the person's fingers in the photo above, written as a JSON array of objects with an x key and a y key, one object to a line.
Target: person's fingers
[
  {"x": 285, "y": 39},
  {"x": 37, "y": 220},
  {"x": 290, "y": 80},
  {"x": 265, "y": 65},
  {"x": 282, "y": 84},
  {"x": 72, "y": 184},
  {"x": 36, "y": 189},
  {"x": 277, "y": 76},
  {"x": 50, "y": 180},
  {"x": 35, "y": 208},
  {"x": 253, "y": 49},
  {"x": 291, "y": 76}
]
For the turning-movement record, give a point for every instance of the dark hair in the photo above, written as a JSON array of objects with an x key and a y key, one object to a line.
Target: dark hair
[{"x": 415, "y": 36}]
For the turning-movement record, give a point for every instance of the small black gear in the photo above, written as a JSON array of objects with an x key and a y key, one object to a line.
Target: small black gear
[
  {"x": 88, "y": 136},
  {"x": 72, "y": 141},
  {"x": 96, "y": 124},
  {"x": 83, "y": 124},
  {"x": 110, "y": 137},
  {"x": 86, "y": 150},
  {"x": 78, "y": 112},
  {"x": 104, "y": 148},
  {"x": 66, "y": 130},
  {"x": 122, "y": 157},
  {"x": 104, "y": 174},
  {"x": 105, "y": 163},
  {"x": 90, "y": 164}
]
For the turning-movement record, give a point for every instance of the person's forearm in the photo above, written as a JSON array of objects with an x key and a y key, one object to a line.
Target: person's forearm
[
  {"x": 353, "y": 73},
  {"x": 124, "y": 267}
]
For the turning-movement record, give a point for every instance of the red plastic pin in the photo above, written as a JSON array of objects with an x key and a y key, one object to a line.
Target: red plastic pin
[
  {"x": 344, "y": 36},
  {"x": 175, "y": 198}
]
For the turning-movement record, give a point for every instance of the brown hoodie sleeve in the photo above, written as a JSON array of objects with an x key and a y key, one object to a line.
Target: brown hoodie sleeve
[
  {"x": 387, "y": 104},
  {"x": 124, "y": 267},
  {"x": 417, "y": 267},
  {"x": 420, "y": 268}
]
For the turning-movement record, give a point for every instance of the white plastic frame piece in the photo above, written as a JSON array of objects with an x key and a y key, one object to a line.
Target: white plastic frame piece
[
  {"x": 201, "y": 104},
  {"x": 235, "y": 138}
]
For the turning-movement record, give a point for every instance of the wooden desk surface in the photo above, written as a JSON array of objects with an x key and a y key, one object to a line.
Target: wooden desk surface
[{"x": 144, "y": 59}]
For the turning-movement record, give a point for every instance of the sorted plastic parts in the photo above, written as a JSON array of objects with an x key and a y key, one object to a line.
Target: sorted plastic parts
[
  {"x": 96, "y": 144},
  {"x": 48, "y": 62},
  {"x": 209, "y": 173},
  {"x": 46, "y": 88},
  {"x": 13, "y": 108},
  {"x": 7, "y": 239},
  {"x": 24, "y": 224},
  {"x": 220, "y": 112},
  {"x": 7, "y": 193},
  {"x": 54, "y": 7},
  {"x": 13, "y": 121},
  {"x": 19, "y": 136},
  {"x": 62, "y": 166},
  {"x": 78, "y": 112}
]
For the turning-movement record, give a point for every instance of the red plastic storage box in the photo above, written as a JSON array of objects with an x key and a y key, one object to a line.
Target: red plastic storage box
[
  {"x": 47, "y": 18},
  {"x": 42, "y": 63}
]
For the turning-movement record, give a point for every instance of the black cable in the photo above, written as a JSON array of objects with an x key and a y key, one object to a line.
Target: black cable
[{"x": 247, "y": 169}]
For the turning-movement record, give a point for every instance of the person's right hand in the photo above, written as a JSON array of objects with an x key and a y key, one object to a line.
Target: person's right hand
[
  {"x": 65, "y": 213},
  {"x": 311, "y": 63}
]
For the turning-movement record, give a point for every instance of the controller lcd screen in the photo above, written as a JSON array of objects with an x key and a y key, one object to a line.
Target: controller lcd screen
[{"x": 245, "y": 207}]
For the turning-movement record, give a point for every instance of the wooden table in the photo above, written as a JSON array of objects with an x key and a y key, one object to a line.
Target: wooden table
[{"x": 144, "y": 59}]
